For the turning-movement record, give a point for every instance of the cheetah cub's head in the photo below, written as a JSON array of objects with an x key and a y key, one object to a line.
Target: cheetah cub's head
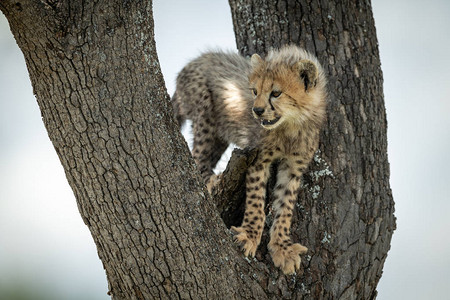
[{"x": 288, "y": 88}]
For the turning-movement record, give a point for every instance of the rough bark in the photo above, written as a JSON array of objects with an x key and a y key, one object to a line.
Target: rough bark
[
  {"x": 96, "y": 77},
  {"x": 345, "y": 212},
  {"x": 97, "y": 80}
]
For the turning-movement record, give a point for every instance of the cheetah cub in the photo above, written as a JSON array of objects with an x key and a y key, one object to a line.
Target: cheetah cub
[{"x": 277, "y": 105}]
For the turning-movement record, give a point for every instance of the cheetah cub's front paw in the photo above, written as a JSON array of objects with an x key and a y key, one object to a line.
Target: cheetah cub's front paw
[
  {"x": 287, "y": 257},
  {"x": 247, "y": 241}
]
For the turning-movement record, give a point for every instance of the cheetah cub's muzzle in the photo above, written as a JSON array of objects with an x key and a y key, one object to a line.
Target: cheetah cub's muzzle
[
  {"x": 266, "y": 95},
  {"x": 268, "y": 117}
]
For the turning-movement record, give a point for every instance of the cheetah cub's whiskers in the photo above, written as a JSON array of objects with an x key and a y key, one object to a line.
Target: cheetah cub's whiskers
[{"x": 277, "y": 105}]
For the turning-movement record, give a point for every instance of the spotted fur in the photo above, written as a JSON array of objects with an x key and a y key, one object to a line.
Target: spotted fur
[{"x": 277, "y": 105}]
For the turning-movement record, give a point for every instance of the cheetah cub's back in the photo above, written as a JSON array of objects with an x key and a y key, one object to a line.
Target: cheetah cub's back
[{"x": 277, "y": 105}]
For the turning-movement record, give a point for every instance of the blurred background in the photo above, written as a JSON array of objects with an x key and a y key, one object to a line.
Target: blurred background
[{"x": 46, "y": 252}]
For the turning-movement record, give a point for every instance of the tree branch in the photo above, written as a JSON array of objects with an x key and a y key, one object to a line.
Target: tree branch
[{"x": 229, "y": 192}]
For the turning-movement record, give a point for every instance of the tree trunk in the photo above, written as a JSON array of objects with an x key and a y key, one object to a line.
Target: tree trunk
[
  {"x": 345, "y": 212},
  {"x": 97, "y": 80}
]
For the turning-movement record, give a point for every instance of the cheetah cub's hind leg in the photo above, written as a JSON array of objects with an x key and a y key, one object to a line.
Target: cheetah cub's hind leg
[
  {"x": 207, "y": 149},
  {"x": 285, "y": 254}
]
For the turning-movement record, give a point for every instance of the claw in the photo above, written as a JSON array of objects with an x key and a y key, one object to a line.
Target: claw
[
  {"x": 248, "y": 246},
  {"x": 234, "y": 229},
  {"x": 288, "y": 259}
]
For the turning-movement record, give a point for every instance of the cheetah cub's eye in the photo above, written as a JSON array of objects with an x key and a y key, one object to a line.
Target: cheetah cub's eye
[
  {"x": 254, "y": 92},
  {"x": 275, "y": 94}
]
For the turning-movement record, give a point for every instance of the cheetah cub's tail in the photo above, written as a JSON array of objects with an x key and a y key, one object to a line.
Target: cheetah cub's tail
[{"x": 178, "y": 113}]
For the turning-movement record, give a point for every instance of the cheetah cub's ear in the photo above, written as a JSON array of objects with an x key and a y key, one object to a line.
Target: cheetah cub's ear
[
  {"x": 308, "y": 73},
  {"x": 256, "y": 61}
]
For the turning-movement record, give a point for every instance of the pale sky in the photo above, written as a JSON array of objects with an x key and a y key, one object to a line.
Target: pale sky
[{"x": 45, "y": 246}]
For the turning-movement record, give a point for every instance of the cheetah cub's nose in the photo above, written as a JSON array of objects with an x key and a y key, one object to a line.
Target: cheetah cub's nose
[{"x": 258, "y": 110}]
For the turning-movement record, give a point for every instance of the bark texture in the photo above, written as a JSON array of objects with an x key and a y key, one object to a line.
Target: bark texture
[
  {"x": 345, "y": 212},
  {"x": 97, "y": 80}
]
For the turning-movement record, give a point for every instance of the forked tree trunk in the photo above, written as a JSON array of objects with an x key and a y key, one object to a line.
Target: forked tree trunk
[{"x": 96, "y": 77}]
